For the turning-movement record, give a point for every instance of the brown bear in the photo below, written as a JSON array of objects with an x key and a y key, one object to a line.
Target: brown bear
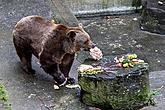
[{"x": 53, "y": 44}]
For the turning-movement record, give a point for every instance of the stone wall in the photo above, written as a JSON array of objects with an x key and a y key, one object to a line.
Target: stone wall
[
  {"x": 153, "y": 16},
  {"x": 100, "y": 7}
]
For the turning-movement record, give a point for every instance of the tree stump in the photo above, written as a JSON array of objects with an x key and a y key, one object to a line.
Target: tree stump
[{"x": 117, "y": 89}]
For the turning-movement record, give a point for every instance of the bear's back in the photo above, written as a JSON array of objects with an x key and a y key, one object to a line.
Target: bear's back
[
  {"x": 33, "y": 29},
  {"x": 33, "y": 25}
]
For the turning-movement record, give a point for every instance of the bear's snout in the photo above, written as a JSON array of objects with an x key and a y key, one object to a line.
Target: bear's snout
[{"x": 89, "y": 46}]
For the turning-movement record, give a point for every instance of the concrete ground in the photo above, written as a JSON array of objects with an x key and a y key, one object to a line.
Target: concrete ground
[{"x": 114, "y": 35}]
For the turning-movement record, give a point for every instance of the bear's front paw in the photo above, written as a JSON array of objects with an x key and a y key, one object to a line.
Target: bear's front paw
[
  {"x": 71, "y": 80},
  {"x": 65, "y": 81},
  {"x": 60, "y": 79}
]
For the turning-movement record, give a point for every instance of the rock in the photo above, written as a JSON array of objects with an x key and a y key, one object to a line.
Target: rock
[
  {"x": 31, "y": 95},
  {"x": 119, "y": 89},
  {"x": 153, "y": 16}
]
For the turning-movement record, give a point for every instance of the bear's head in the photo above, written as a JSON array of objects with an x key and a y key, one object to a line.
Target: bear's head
[
  {"x": 79, "y": 39},
  {"x": 71, "y": 39}
]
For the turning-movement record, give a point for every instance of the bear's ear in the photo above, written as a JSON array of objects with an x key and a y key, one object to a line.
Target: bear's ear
[{"x": 71, "y": 34}]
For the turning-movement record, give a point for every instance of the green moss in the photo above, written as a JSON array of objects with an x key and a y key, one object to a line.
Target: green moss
[
  {"x": 4, "y": 97},
  {"x": 87, "y": 84},
  {"x": 116, "y": 93},
  {"x": 94, "y": 100},
  {"x": 128, "y": 100},
  {"x": 118, "y": 101}
]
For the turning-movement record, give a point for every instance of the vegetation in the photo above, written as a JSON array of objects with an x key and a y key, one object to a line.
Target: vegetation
[{"x": 4, "y": 97}]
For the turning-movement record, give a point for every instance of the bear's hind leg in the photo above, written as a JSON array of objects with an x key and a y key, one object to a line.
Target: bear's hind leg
[
  {"x": 25, "y": 56},
  {"x": 26, "y": 63}
]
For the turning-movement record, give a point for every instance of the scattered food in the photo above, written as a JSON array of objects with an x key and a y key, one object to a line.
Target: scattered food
[
  {"x": 160, "y": 2},
  {"x": 96, "y": 53},
  {"x": 88, "y": 69},
  {"x": 128, "y": 61},
  {"x": 94, "y": 71},
  {"x": 131, "y": 56},
  {"x": 71, "y": 86},
  {"x": 135, "y": 19},
  {"x": 84, "y": 67},
  {"x": 125, "y": 61},
  {"x": 56, "y": 87},
  {"x": 142, "y": 27},
  {"x": 31, "y": 95}
]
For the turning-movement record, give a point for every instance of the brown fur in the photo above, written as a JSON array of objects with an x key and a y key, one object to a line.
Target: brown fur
[{"x": 53, "y": 44}]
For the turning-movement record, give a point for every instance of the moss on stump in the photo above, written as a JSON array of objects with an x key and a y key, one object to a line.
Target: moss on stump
[{"x": 124, "y": 89}]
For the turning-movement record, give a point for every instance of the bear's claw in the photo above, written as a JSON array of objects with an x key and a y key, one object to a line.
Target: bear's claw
[{"x": 63, "y": 82}]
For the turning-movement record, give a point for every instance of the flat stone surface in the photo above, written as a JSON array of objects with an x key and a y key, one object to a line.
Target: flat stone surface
[
  {"x": 157, "y": 81},
  {"x": 90, "y": 8},
  {"x": 114, "y": 35},
  {"x": 13, "y": 10}
]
